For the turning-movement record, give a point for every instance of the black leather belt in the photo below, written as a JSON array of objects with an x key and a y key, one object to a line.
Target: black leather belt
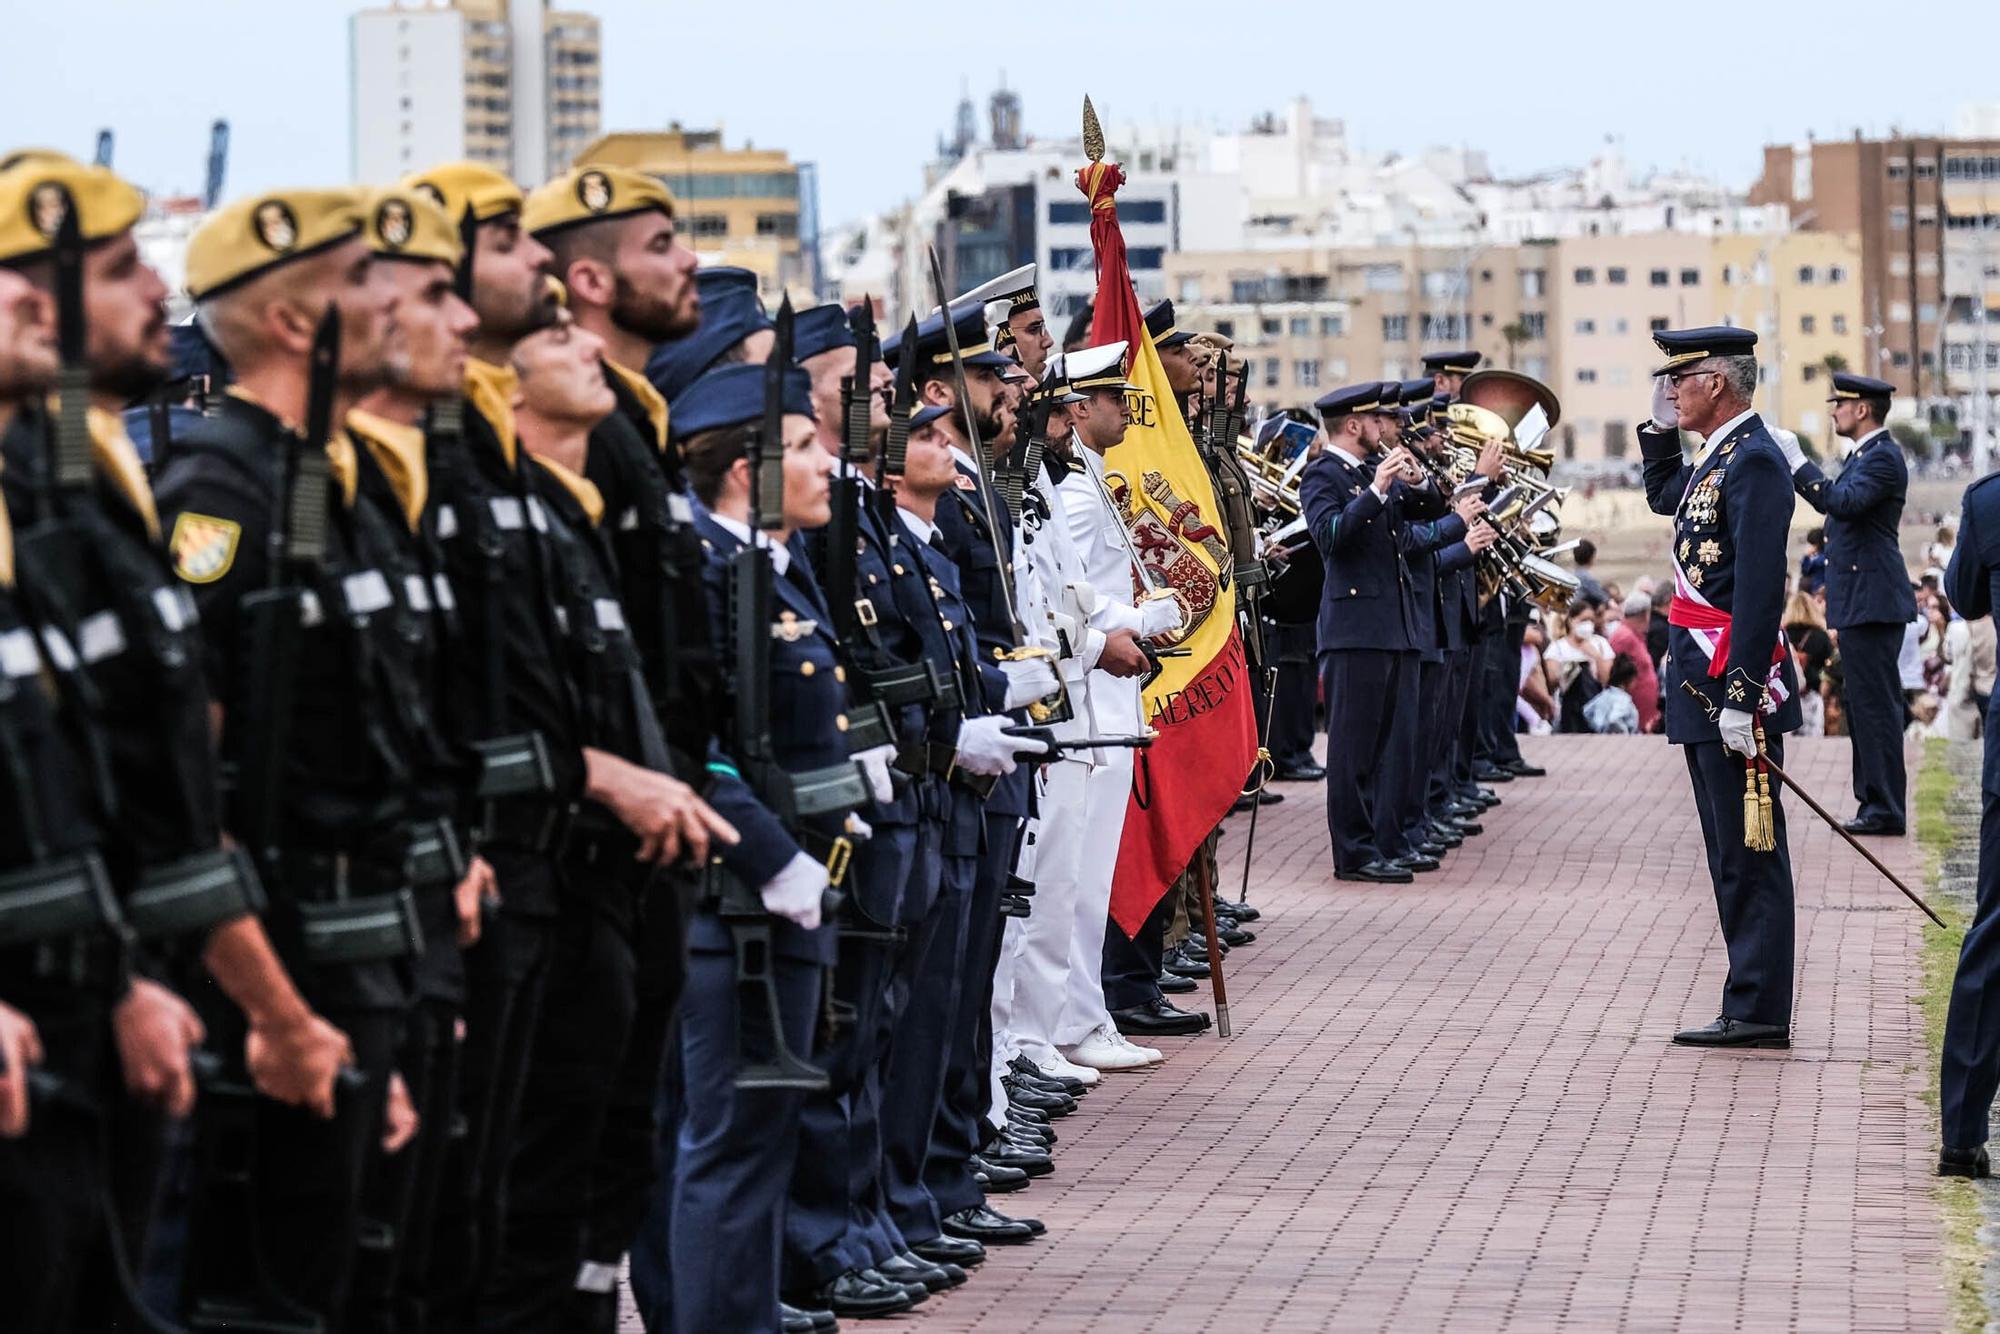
[{"x": 189, "y": 895}]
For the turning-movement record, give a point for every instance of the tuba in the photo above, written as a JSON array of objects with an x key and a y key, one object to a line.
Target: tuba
[{"x": 1517, "y": 412}]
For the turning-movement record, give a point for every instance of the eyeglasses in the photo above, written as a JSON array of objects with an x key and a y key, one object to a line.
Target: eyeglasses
[{"x": 1675, "y": 377}]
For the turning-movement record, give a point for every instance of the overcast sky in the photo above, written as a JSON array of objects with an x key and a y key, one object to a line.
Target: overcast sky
[{"x": 865, "y": 88}]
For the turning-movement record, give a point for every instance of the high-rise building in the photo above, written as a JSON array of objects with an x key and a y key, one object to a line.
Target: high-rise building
[
  {"x": 751, "y": 207},
  {"x": 514, "y": 84}
]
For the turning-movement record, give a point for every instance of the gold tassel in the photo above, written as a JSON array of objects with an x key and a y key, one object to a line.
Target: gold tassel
[{"x": 1759, "y": 831}]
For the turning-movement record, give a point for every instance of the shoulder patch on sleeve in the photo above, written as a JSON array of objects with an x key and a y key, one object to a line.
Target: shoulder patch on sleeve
[{"x": 203, "y": 547}]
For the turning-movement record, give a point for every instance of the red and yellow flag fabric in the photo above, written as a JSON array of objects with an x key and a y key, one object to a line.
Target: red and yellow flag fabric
[{"x": 1200, "y": 704}]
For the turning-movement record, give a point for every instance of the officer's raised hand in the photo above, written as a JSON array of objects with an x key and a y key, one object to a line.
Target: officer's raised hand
[
  {"x": 668, "y": 817},
  {"x": 296, "y": 1061},
  {"x": 20, "y": 1047},
  {"x": 156, "y": 1031}
]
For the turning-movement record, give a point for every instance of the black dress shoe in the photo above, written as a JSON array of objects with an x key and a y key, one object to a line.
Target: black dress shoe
[
  {"x": 1523, "y": 769},
  {"x": 1034, "y": 1225},
  {"x": 1736, "y": 1033},
  {"x": 1173, "y": 984},
  {"x": 995, "y": 1179},
  {"x": 1429, "y": 847},
  {"x": 950, "y": 1251},
  {"x": 1041, "y": 1083},
  {"x": 1234, "y": 935},
  {"x": 1055, "y": 1104},
  {"x": 863, "y": 1294},
  {"x": 916, "y": 1291},
  {"x": 1242, "y": 804},
  {"x": 1187, "y": 961},
  {"x": 1269, "y": 798},
  {"x": 1031, "y": 1163},
  {"x": 1489, "y": 773},
  {"x": 1016, "y": 1140},
  {"x": 1465, "y": 826},
  {"x": 1873, "y": 824},
  {"x": 907, "y": 1269},
  {"x": 1027, "y": 1116},
  {"x": 1377, "y": 872},
  {"x": 1446, "y": 836},
  {"x": 1300, "y": 773},
  {"x": 1417, "y": 861},
  {"x": 1157, "y": 1018},
  {"x": 982, "y": 1225},
  {"x": 794, "y": 1321},
  {"x": 1242, "y": 912},
  {"x": 1964, "y": 1163}
]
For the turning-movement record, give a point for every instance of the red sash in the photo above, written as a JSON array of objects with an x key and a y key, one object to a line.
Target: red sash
[{"x": 1691, "y": 615}]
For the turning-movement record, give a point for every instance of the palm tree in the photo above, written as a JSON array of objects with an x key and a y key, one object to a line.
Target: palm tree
[{"x": 1514, "y": 334}]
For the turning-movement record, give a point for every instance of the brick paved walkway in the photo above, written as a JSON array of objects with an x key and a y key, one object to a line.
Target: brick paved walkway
[{"x": 1452, "y": 1105}]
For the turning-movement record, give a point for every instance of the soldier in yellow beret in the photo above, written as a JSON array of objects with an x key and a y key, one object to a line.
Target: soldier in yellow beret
[
  {"x": 143, "y": 691},
  {"x": 302, "y": 630}
]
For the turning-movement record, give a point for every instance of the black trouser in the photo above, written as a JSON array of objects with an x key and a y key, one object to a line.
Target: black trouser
[
  {"x": 1466, "y": 749},
  {"x": 504, "y": 980},
  {"x": 968, "y": 1090},
  {"x": 1501, "y": 691},
  {"x": 1131, "y": 968},
  {"x": 627, "y": 1166},
  {"x": 1872, "y": 692},
  {"x": 1969, "y": 1071},
  {"x": 588, "y": 1005},
  {"x": 1753, "y": 890},
  {"x": 1371, "y": 700},
  {"x": 1295, "y": 697},
  {"x": 53, "y": 1180},
  {"x": 1432, "y": 680},
  {"x": 1446, "y": 729},
  {"x": 310, "y": 1170},
  {"x": 392, "y": 1278}
]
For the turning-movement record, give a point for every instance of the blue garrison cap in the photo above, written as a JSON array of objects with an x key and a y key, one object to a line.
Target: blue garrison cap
[
  {"x": 973, "y": 343},
  {"x": 1160, "y": 324},
  {"x": 1453, "y": 363},
  {"x": 927, "y": 413},
  {"x": 1684, "y": 347},
  {"x": 821, "y": 329},
  {"x": 732, "y": 395},
  {"x": 1846, "y": 384},
  {"x": 1353, "y": 398},
  {"x": 730, "y": 312}
]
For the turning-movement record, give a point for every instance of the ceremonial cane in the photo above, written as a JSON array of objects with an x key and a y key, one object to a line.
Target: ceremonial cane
[
  {"x": 1204, "y": 874},
  {"x": 1261, "y": 771},
  {"x": 1771, "y": 766}
]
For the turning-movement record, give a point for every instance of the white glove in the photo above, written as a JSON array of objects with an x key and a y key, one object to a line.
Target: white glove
[
  {"x": 794, "y": 892},
  {"x": 1160, "y": 616},
  {"x": 1028, "y": 679},
  {"x": 1665, "y": 415},
  {"x": 858, "y": 829},
  {"x": 1737, "y": 733},
  {"x": 1788, "y": 445},
  {"x": 983, "y": 749},
  {"x": 874, "y": 764}
]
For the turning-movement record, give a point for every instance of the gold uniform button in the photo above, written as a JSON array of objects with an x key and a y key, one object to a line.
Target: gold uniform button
[
  {"x": 898, "y": 569},
  {"x": 840, "y": 722},
  {"x": 806, "y": 669},
  {"x": 840, "y": 673},
  {"x": 947, "y": 626},
  {"x": 1352, "y": 592}
]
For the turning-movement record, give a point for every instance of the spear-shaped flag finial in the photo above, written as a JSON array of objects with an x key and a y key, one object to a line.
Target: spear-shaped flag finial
[{"x": 1093, "y": 133}]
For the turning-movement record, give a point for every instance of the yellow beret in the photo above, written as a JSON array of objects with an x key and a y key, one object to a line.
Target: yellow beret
[
  {"x": 462, "y": 187},
  {"x": 406, "y": 224},
  {"x": 38, "y": 191},
  {"x": 250, "y": 237},
  {"x": 20, "y": 155},
  {"x": 593, "y": 194}
]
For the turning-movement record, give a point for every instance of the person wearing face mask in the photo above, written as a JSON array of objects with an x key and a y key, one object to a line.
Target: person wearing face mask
[
  {"x": 1579, "y": 666},
  {"x": 1868, "y": 598},
  {"x": 1729, "y": 676}
]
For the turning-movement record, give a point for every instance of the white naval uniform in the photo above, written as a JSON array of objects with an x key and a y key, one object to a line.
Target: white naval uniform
[{"x": 1053, "y": 956}]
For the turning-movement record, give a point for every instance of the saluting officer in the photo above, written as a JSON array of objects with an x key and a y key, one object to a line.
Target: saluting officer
[
  {"x": 1868, "y": 598},
  {"x": 282, "y": 554},
  {"x": 1969, "y": 1069},
  {"x": 1358, "y": 498},
  {"x": 1729, "y": 681}
]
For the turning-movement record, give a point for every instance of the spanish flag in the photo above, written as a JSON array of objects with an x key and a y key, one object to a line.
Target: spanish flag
[{"x": 1200, "y": 704}]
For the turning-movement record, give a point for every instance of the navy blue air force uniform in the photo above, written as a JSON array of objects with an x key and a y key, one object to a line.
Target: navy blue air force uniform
[
  {"x": 1731, "y": 510},
  {"x": 1868, "y": 601},
  {"x": 1371, "y": 633},
  {"x": 1969, "y": 1071}
]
